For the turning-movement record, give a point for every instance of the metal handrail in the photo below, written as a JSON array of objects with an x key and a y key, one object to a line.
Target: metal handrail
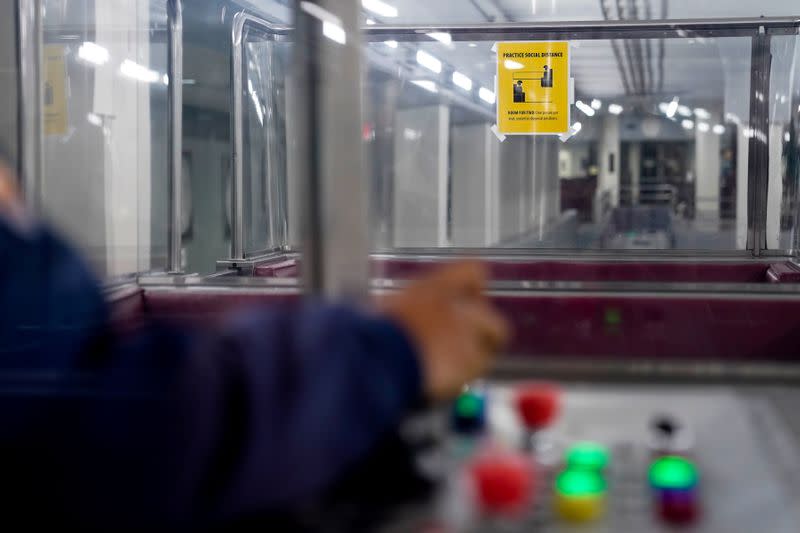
[
  {"x": 607, "y": 29},
  {"x": 31, "y": 98}
]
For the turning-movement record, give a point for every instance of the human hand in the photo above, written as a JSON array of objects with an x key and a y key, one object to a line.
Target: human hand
[{"x": 456, "y": 330}]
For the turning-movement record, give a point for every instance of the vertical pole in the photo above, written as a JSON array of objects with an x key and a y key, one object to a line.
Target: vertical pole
[
  {"x": 31, "y": 166},
  {"x": 758, "y": 163},
  {"x": 327, "y": 111},
  {"x": 175, "y": 156},
  {"x": 237, "y": 164}
]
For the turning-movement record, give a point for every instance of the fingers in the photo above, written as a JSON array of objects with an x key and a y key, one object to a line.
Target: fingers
[
  {"x": 9, "y": 194},
  {"x": 490, "y": 330},
  {"x": 463, "y": 279}
]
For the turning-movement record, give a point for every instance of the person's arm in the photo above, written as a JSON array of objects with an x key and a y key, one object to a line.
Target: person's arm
[{"x": 177, "y": 426}]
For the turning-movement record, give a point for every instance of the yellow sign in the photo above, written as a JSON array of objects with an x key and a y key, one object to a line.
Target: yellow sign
[
  {"x": 533, "y": 87},
  {"x": 55, "y": 91}
]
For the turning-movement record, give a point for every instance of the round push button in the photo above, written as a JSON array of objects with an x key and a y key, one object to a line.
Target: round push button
[
  {"x": 468, "y": 414},
  {"x": 587, "y": 455},
  {"x": 580, "y": 495},
  {"x": 504, "y": 483},
  {"x": 538, "y": 405}
]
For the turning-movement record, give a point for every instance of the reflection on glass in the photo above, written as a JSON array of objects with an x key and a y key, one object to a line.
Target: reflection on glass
[{"x": 783, "y": 205}]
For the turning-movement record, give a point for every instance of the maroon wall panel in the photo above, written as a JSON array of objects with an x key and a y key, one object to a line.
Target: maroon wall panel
[{"x": 606, "y": 327}]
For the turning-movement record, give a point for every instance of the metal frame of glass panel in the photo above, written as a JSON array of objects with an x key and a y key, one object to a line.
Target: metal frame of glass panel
[
  {"x": 241, "y": 22},
  {"x": 758, "y": 29},
  {"x": 175, "y": 132},
  {"x": 32, "y": 105}
]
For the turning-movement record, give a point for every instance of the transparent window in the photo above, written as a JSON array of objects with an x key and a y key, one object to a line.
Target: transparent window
[
  {"x": 265, "y": 147},
  {"x": 783, "y": 194},
  {"x": 104, "y": 127},
  {"x": 659, "y": 161}
]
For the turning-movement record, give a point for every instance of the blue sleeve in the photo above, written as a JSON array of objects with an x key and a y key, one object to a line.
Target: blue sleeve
[{"x": 178, "y": 426}]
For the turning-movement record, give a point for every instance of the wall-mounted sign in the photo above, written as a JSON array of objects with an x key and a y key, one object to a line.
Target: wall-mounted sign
[
  {"x": 533, "y": 87},
  {"x": 55, "y": 91}
]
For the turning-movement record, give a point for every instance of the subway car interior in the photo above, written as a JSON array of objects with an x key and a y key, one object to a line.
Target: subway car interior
[{"x": 210, "y": 155}]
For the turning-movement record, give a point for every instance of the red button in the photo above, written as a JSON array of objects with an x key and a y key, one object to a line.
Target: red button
[
  {"x": 538, "y": 404},
  {"x": 504, "y": 483}
]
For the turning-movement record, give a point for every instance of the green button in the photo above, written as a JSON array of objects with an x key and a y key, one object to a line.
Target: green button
[
  {"x": 673, "y": 473},
  {"x": 469, "y": 405},
  {"x": 587, "y": 455},
  {"x": 580, "y": 482}
]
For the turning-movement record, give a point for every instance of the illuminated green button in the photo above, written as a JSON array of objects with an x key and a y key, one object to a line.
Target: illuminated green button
[
  {"x": 579, "y": 482},
  {"x": 587, "y": 455},
  {"x": 673, "y": 473},
  {"x": 469, "y": 405}
]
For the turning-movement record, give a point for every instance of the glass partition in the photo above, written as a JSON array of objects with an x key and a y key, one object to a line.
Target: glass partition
[
  {"x": 264, "y": 140},
  {"x": 104, "y": 130},
  {"x": 783, "y": 208},
  {"x": 658, "y": 160}
]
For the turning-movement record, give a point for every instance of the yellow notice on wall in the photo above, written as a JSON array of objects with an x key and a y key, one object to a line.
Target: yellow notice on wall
[
  {"x": 55, "y": 91},
  {"x": 533, "y": 87}
]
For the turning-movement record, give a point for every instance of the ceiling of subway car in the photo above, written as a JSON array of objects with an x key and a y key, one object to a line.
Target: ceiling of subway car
[{"x": 697, "y": 71}]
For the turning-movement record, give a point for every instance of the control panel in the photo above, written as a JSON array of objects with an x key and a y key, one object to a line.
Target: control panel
[{"x": 538, "y": 457}]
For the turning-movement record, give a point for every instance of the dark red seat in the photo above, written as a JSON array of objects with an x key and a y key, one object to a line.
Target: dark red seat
[{"x": 786, "y": 272}]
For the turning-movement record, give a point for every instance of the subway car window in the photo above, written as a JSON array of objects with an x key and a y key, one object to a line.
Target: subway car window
[
  {"x": 657, "y": 161},
  {"x": 784, "y": 157},
  {"x": 103, "y": 134}
]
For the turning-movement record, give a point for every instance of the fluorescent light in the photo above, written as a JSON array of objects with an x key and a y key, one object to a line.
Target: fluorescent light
[
  {"x": 472, "y": 45},
  {"x": 334, "y": 32},
  {"x": 442, "y": 37},
  {"x": 577, "y": 127},
  {"x": 787, "y": 137},
  {"x": 429, "y": 62},
  {"x": 165, "y": 79},
  {"x": 702, "y": 114},
  {"x": 512, "y": 65},
  {"x": 462, "y": 81},
  {"x": 703, "y": 127},
  {"x": 93, "y": 53},
  {"x": 410, "y": 134},
  {"x": 370, "y": 22},
  {"x": 663, "y": 106},
  {"x": 615, "y": 109},
  {"x": 390, "y": 44},
  {"x": 596, "y": 104},
  {"x": 719, "y": 129},
  {"x": 587, "y": 110},
  {"x": 730, "y": 117},
  {"x": 136, "y": 71},
  {"x": 428, "y": 85},
  {"x": 96, "y": 120},
  {"x": 487, "y": 96},
  {"x": 687, "y": 124},
  {"x": 672, "y": 108},
  {"x": 533, "y": 6},
  {"x": 379, "y": 8},
  {"x": 684, "y": 111}
]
